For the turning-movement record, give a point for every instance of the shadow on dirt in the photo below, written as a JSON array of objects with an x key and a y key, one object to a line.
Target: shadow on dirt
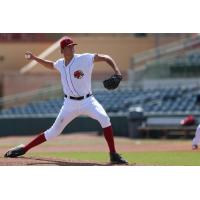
[
  {"x": 51, "y": 161},
  {"x": 38, "y": 161}
]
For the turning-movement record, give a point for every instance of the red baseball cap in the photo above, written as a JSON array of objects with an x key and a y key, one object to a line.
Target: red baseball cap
[{"x": 66, "y": 41}]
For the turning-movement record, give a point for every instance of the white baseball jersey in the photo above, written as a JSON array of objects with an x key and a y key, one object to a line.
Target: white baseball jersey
[
  {"x": 76, "y": 81},
  {"x": 76, "y": 76}
]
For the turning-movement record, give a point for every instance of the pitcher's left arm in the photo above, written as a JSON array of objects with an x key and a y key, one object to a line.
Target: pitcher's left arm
[{"x": 109, "y": 60}]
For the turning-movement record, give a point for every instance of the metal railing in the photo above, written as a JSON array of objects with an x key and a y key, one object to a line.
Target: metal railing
[
  {"x": 45, "y": 94},
  {"x": 35, "y": 95},
  {"x": 165, "y": 49}
]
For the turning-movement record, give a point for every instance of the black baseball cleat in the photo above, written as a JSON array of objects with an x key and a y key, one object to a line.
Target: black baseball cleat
[
  {"x": 15, "y": 152},
  {"x": 115, "y": 158}
]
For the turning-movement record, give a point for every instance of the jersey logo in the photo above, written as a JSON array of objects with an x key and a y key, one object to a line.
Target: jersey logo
[{"x": 78, "y": 74}]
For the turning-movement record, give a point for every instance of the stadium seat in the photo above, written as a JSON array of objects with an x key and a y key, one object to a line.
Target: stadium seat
[{"x": 176, "y": 99}]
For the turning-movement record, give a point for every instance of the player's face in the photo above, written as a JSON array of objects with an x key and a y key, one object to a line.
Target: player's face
[{"x": 68, "y": 51}]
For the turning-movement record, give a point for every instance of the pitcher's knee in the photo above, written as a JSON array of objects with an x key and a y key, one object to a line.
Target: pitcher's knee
[
  {"x": 51, "y": 133},
  {"x": 105, "y": 121}
]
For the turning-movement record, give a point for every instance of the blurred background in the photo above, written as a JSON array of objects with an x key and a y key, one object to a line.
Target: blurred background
[{"x": 160, "y": 89}]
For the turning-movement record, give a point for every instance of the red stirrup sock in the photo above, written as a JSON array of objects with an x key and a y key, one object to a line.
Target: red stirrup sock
[
  {"x": 108, "y": 134},
  {"x": 38, "y": 140}
]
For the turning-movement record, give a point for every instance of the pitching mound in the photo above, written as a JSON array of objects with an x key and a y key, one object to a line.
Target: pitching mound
[{"x": 38, "y": 161}]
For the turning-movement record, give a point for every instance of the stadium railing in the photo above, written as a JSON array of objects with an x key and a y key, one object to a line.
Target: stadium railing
[
  {"x": 165, "y": 50},
  {"x": 40, "y": 94},
  {"x": 46, "y": 93}
]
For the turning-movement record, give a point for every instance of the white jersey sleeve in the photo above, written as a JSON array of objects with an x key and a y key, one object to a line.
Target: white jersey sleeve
[
  {"x": 89, "y": 59},
  {"x": 57, "y": 64}
]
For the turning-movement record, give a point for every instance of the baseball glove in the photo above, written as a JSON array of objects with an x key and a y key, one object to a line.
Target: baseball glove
[{"x": 113, "y": 82}]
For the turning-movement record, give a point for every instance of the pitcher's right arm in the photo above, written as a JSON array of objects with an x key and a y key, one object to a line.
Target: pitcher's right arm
[{"x": 46, "y": 63}]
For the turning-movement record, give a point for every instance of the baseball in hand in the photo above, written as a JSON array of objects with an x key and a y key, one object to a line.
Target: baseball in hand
[{"x": 27, "y": 56}]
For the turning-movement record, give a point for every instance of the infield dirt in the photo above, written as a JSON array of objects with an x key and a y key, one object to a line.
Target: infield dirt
[{"x": 83, "y": 142}]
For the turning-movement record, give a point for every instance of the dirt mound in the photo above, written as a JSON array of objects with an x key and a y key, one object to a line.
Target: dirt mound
[{"x": 38, "y": 161}]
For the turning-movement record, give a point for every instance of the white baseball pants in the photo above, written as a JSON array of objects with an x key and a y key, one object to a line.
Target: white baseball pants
[
  {"x": 73, "y": 108},
  {"x": 196, "y": 139}
]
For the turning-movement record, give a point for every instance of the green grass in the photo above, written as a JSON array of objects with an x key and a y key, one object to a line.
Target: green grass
[{"x": 139, "y": 158}]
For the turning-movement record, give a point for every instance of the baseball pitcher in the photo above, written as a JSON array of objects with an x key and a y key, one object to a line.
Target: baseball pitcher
[{"x": 75, "y": 72}]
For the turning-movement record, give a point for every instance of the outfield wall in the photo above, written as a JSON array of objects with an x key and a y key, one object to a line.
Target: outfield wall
[{"x": 34, "y": 125}]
